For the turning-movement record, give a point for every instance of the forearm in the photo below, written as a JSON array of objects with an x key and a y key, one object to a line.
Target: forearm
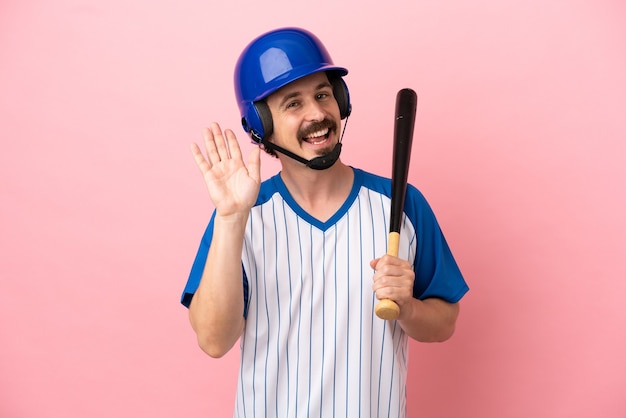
[
  {"x": 429, "y": 320},
  {"x": 216, "y": 310}
]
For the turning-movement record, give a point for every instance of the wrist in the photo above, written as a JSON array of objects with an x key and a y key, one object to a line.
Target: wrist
[{"x": 233, "y": 218}]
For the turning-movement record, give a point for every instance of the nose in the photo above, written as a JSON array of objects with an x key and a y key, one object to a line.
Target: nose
[{"x": 315, "y": 112}]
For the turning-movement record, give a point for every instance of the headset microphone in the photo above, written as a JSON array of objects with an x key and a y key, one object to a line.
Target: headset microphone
[
  {"x": 325, "y": 161},
  {"x": 318, "y": 163}
]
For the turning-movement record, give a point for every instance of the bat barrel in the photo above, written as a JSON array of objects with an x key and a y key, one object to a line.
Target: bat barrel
[{"x": 406, "y": 105}]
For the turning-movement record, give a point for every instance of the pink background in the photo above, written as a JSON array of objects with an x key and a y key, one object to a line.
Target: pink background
[{"x": 519, "y": 146}]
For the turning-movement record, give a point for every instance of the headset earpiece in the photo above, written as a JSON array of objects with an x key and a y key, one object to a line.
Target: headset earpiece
[
  {"x": 257, "y": 121},
  {"x": 342, "y": 95},
  {"x": 265, "y": 118}
]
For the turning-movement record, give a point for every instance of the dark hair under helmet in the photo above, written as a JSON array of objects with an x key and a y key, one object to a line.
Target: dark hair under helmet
[{"x": 274, "y": 60}]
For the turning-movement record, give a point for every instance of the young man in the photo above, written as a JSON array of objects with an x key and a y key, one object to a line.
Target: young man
[{"x": 293, "y": 266}]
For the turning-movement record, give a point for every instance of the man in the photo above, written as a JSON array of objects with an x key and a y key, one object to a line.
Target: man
[{"x": 293, "y": 266}]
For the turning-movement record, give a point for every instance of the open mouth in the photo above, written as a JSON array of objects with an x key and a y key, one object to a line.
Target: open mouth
[
  {"x": 317, "y": 137},
  {"x": 318, "y": 133}
]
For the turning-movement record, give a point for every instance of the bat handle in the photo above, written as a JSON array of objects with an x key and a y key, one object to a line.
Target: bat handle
[{"x": 387, "y": 308}]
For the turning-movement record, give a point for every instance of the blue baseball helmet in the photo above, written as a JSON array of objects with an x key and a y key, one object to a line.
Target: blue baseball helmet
[{"x": 274, "y": 60}]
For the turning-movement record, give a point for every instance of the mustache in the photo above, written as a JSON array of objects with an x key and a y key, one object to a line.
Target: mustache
[{"x": 317, "y": 126}]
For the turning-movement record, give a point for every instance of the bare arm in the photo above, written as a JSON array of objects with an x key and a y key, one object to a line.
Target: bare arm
[
  {"x": 428, "y": 320},
  {"x": 216, "y": 310}
]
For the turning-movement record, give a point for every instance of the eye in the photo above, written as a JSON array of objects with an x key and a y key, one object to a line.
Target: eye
[
  {"x": 292, "y": 104},
  {"x": 322, "y": 96}
]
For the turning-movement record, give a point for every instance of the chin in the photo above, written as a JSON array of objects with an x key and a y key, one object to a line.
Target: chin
[{"x": 326, "y": 150}]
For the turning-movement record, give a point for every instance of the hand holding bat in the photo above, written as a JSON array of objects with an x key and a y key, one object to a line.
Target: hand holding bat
[{"x": 406, "y": 105}]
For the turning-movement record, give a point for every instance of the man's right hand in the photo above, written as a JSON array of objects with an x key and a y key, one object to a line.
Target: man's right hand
[{"x": 233, "y": 187}]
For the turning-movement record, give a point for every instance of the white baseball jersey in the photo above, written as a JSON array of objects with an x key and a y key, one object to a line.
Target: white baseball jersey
[{"x": 312, "y": 345}]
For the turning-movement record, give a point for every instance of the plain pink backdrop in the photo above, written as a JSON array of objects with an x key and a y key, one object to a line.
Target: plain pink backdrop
[{"x": 519, "y": 147}]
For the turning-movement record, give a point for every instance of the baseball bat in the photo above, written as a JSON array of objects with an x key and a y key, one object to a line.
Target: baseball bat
[{"x": 406, "y": 104}]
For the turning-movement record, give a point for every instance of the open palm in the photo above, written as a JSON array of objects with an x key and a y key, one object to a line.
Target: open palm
[{"x": 233, "y": 186}]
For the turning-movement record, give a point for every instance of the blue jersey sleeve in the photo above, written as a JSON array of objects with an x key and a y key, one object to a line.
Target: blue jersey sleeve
[
  {"x": 436, "y": 271},
  {"x": 198, "y": 265},
  {"x": 198, "y": 268}
]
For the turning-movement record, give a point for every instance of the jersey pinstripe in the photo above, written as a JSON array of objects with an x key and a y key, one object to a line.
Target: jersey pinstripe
[{"x": 312, "y": 345}]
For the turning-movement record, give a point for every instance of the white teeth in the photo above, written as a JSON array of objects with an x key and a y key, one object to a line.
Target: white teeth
[{"x": 318, "y": 134}]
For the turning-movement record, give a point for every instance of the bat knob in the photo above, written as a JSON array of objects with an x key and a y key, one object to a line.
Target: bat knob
[{"x": 387, "y": 309}]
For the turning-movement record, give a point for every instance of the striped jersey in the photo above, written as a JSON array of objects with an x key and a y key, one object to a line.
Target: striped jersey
[{"x": 312, "y": 345}]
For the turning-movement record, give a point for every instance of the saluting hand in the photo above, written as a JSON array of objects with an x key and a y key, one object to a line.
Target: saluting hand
[{"x": 233, "y": 187}]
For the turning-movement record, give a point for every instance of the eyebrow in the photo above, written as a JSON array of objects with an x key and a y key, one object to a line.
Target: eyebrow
[{"x": 297, "y": 93}]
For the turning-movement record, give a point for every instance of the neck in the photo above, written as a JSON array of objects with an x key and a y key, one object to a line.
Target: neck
[{"x": 319, "y": 192}]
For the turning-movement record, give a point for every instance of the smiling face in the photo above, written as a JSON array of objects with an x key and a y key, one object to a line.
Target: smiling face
[{"x": 306, "y": 116}]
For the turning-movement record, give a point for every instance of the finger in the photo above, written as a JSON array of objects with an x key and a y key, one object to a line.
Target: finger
[
  {"x": 232, "y": 145},
  {"x": 390, "y": 275},
  {"x": 201, "y": 162},
  {"x": 392, "y": 261},
  {"x": 389, "y": 293},
  {"x": 209, "y": 143},
  {"x": 393, "y": 290},
  {"x": 374, "y": 262},
  {"x": 220, "y": 142}
]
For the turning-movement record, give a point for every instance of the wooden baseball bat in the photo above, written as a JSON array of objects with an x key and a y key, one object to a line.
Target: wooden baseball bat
[{"x": 406, "y": 105}]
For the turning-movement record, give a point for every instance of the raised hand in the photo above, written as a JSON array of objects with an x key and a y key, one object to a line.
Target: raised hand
[{"x": 233, "y": 186}]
